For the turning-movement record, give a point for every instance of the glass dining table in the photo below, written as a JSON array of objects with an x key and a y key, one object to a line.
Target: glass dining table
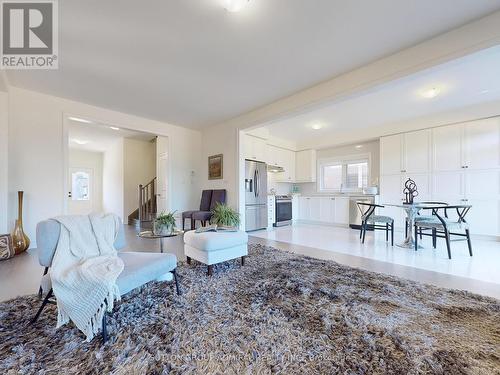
[{"x": 412, "y": 210}]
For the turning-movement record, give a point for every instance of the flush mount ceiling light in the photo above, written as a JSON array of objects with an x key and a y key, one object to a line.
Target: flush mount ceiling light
[
  {"x": 114, "y": 128},
  {"x": 359, "y": 146},
  {"x": 234, "y": 6},
  {"x": 430, "y": 93},
  {"x": 78, "y": 119},
  {"x": 316, "y": 126},
  {"x": 79, "y": 141}
]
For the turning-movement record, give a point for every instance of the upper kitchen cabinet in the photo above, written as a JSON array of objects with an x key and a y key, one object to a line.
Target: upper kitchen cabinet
[
  {"x": 482, "y": 144},
  {"x": 405, "y": 153},
  {"x": 391, "y": 154},
  {"x": 447, "y": 148},
  {"x": 254, "y": 148},
  {"x": 305, "y": 166},
  {"x": 273, "y": 155},
  {"x": 286, "y": 159},
  {"x": 417, "y": 151},
  {"x": 473, "y": 145}
]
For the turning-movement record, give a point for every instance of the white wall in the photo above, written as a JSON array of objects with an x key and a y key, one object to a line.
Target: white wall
[
  {"x": 369, "y": 148},
  {"x": 94, "y": 161},
  {"x": 139, "y": 167},
  {"x": 113, "y": 179},
  {"x": 4, "y": 130},
  {"x": 37, "y": 146}
]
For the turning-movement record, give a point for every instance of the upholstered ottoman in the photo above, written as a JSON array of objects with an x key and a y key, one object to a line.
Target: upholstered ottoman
[{"x": 215, "y": 247}]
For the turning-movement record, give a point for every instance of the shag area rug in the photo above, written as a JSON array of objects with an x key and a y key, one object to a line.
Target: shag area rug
[{"x": 280, "y": 313}]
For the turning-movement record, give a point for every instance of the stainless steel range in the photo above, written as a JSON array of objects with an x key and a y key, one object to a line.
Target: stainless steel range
[{"x": 283, "y": 210}]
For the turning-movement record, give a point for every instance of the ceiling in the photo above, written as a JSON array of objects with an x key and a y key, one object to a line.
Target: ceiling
[
  {"x": 99, "y": 137},
  {"x": 191, "y": 63},
  {"x": 464, "y": 82}
]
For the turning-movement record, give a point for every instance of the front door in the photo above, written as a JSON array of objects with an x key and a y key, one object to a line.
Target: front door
[{"x": 81, "y": 194}]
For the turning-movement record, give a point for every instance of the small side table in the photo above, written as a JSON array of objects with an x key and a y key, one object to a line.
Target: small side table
[{"x": 150, "y": 235}]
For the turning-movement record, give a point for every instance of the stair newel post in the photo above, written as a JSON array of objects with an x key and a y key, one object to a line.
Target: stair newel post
[{"x": 140, "y": 202}]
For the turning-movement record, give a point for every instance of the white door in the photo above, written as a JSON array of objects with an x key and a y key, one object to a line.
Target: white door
[
  {"x": 447, "y": 148},
  {"x": 162, "y": 183},
  {"x": 391, "y": 155},
  {"x": 417, "y": 151},
  {"x": 81, "y": 194},
  {"x": 482, "y": 144}
]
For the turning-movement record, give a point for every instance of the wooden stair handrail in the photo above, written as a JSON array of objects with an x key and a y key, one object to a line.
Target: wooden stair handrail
[{"x": 147, "y": 200}]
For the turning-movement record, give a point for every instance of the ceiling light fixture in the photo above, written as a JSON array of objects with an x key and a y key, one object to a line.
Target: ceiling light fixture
[
  {"x": 316, "y": 126},
  {"x": 78, "y": 119},
  {"x": 430, "y": 93},
  {"x": 114, "y": 128},
  {"x": 234, "y": 6},
  {"x": 80, "y": 142},
  {"x": 359, "y": 146}
]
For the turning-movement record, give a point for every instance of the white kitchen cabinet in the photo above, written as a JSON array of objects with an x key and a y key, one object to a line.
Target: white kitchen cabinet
[
  {"x": 295, "y": 207},
  {"x": 254, "y": 148},
  {"x": 315, "y": 209},
  {"x": 286, "y": 159},
  {"x": 273, "y": 155},
  {"x": 327, "y": 210},
  {"x": 391, "y": 154},
  {"x": 417, "y": 152},
  {"x": 481, "y": 144},
  {"x": 447, "y": 148},
  {"x": 391, "y": 191},
  {"x": 305, "y": 166},
  {"x": 304, "y": 208},
  {"x": 341, "y": 215}
]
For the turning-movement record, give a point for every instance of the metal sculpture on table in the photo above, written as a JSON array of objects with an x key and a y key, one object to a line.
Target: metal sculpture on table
[{"x": 410, "y": 191}]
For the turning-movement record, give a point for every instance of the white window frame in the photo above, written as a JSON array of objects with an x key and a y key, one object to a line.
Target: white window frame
[{"x": 343, "y": 160}]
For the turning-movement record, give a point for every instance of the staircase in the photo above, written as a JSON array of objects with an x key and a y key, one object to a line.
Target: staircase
[{"x": 143, "y": 217}]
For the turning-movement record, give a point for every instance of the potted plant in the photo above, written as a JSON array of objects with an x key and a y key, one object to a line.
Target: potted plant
[
  {"x": 225, "y": 216},
  {"x": 164, "y": 224}
]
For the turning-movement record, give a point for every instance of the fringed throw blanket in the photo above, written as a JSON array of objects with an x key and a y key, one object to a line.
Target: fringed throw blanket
[{"x": 84, "y": 270}]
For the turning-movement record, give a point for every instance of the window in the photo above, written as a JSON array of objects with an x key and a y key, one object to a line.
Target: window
[
  {"x": 344, "y": 174},
  {"x": 80, "y": 186}
]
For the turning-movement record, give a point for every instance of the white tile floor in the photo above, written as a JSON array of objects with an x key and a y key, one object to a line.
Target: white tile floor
[{"x": 483, "y": 266}]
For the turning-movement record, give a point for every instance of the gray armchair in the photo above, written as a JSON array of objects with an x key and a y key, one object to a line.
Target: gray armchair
[{"x": 140, "y": 267}]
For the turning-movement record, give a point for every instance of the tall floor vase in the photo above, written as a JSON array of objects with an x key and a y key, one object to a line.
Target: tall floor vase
[{"x": 20, "y": 240}]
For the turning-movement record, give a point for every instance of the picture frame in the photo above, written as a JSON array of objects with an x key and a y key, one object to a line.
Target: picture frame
[{"x": 215, "y": 167}]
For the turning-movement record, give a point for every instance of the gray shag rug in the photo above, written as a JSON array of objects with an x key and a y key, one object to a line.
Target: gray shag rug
[{"x": 280, "y": 313}]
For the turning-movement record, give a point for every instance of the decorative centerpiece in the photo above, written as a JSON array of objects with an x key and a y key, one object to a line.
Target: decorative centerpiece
[
  {"x": 410, "y": 191},
  {"x": 164, "y": 224},
  {"x": 225, "y": 216}
]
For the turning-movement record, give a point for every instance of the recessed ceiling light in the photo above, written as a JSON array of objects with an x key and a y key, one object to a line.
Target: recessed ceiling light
[
  {"x": 234, "y": 6},
  {"x": 114, "y": 128},
  {"x": 430, "y": 93},
  {"x": 316, "y": 126},
  {"x": 484, "y": 91},
  {"x": 78, "y": 119},
  {"x": 79, "y": 141},
  {"x": 359, "y": 146}
]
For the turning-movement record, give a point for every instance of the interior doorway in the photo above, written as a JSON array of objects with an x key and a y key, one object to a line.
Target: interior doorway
[{"x": 112, "y": 169}]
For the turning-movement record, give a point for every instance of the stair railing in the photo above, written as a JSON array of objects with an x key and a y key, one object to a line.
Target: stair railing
[{"x": 147, "y": 200}]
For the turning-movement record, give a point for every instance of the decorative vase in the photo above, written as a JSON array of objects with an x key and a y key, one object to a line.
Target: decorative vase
[{"x": 20, "y": 240}]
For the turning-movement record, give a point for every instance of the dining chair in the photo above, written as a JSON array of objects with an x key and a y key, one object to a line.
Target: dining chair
[
  {"x": 442, "y": 225},
  {"x": 425, "y": 203},
  {"x": 370, "y": 221}
]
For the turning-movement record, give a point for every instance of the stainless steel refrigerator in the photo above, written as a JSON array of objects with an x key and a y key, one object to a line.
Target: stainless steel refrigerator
[{"x": 255, "y": 195}]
